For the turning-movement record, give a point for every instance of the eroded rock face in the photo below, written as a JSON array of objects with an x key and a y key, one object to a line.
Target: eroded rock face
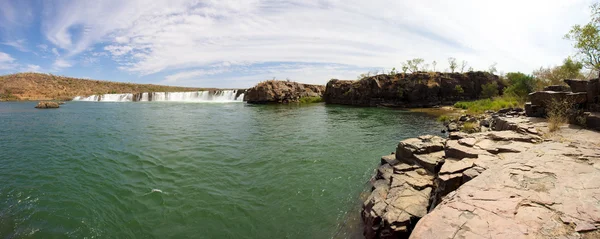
[
  {"x": 274, "y": 91},
  {"x": 508, "y": 183},
  {"x": 47, "y": 105},
  {"x": 409, "y": 90}
]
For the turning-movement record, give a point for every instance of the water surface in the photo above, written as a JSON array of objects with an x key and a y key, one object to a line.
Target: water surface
[{"x": 190, "y": 170}]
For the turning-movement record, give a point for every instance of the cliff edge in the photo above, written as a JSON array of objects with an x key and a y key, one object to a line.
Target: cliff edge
[{"x": 421, "y": 89}]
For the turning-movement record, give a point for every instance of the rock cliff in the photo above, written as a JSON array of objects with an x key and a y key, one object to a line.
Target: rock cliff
[
  {"x": 504, "y": 183},
  {"x": 409, "y": 90},
  {"x": 274, "y": 91}
]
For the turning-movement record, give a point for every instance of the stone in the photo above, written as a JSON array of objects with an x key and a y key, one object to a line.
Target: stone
[
  {"x": 556, "y": 88},
  {"x": 389, "y": 159},
  {"x": 421, "y": 145},
  {"x": 577, "y": 85},
  {"x": 412, "y": 178},
  {"x": 543, "y": 98},
  {"x": 275, "y": 91},
  {"x": 452, "y": 166},
  {"x": 47, "y": 105},
  {"x": 430, "y": 162},
  {"x": 452, "y": 127},
  {"x": 513, "y": 136},
  {"x": 532, "y": 110},
  {"x": 455, "y": 150}
]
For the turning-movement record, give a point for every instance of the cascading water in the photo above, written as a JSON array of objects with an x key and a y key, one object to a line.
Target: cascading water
[{"x": 219, "y": 96}]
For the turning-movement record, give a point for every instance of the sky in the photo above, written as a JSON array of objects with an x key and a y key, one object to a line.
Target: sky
[{"x": 238, "y": 43}]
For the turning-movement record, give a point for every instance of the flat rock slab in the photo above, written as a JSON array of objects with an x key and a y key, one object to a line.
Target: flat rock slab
[
  {"x": 538, "y": 193},
  {"x": 421, "y": 145}
]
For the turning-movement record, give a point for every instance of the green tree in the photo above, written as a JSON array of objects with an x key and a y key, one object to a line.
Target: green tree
[
  {"x": 413, "y": 65},
  {"x": 452, "y": 63},
  {"x": 520, "y": 85},
  {"x": 489, "y": 90},
  {"x": 570, "y": 69},
  {"x": 587, "y": 40}
]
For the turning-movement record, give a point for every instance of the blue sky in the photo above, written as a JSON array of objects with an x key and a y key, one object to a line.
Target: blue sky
[{"x": 237, "y": 43}]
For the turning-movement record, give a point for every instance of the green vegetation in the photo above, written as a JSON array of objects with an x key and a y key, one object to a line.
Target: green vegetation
[
  {"x": 489, "y": 90},
  {"x": 520, "y": 85},
  {"x": 413, "y": 65},
  {"x": 458, "y": 89},
  {"x": 480, "y": 106},
  {"x": 587, "y": 40},
  {"x": 558, "y": 113},
  {"x": 310, "y": 99},
  {"x": 452, "y": 64},
  {"x": 470, "y": 127},
  {"x": 444, "y": 118},
  {"x": 570, "y": 69}
]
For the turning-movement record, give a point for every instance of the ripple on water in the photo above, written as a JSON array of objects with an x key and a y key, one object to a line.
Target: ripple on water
[{"x": 190, "y": 170}]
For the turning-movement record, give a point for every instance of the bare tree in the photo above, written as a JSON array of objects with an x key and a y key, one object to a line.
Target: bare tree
[
  {"x": 434, "y": 63},
  {"x": 452, "y": 64},
  {"x": 463, "y": 65}
]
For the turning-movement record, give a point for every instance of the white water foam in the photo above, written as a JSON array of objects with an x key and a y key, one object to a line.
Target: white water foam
[{"x": 220, "y": 96}]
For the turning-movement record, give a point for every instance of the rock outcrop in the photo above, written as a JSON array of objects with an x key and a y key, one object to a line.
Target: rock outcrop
[
  {"x": 505, "y": 183},
  {"x": 47, "y": 105},
  {"x": 409, "y": 90},
  {"x": 584, "y": 96},
  {"x": 274, "y": 91}
]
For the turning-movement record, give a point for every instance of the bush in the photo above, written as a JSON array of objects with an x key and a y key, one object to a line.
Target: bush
[
  {"x": 489, "y": 90},
  {"x": 444, "y": 118},
  {"x": 520, "y": 85},
  {"x": 470, "y": 127},
  {"x": 480, "y": 106},
  {"x": 558, "y": 113},
  {"x": 459, "y": 89},
  {"x": 310, "y": 99}
]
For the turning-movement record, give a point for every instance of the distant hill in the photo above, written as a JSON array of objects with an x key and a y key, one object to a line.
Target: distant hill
[{"x": 38, "y": 86}]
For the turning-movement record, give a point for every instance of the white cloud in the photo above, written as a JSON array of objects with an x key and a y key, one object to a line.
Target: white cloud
[
  {"x": 177, "y": 35},
  {"x": 55, "y": 52},
  {"x": 61, "y": 63},
  {"x": 6, "y": 62},
  {"x": 17, "y": 44},
  {"x": 43, "y": 47},
  {"x": 31, "y": 68}
]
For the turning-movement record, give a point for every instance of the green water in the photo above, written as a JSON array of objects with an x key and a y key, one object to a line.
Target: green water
[{"x": 189, "y": 170}]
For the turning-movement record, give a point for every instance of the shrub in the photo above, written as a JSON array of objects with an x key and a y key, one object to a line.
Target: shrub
[
  {"x": 520, "y": 85},
  {"x": 444, "y": 118},
  {"x": 459, "y": 89},
  {"x": 310, "y": 99},
  {"x": 558, "y": 113},
  {"x": 489, "y": 90},
  {"x": 470, "y": 127},
  {"x": 480, "y": 106}
]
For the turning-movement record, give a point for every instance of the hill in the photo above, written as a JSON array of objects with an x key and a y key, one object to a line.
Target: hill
[{"x": 38, "y": 86}]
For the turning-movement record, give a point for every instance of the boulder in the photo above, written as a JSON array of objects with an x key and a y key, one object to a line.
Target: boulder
[
  {"x": 274, "y": 91},
  {"x": 421, "y": 145},
  {"x": 543, "y": 98},
  {"x": 577, "y": 85},
  {"x": 47, "y": 105}
]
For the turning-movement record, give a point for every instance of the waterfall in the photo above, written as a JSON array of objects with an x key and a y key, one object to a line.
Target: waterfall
[{"x": 218, "y": 96}]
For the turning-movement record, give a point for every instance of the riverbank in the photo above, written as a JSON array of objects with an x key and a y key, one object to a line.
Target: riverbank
[{"x": 510, "y": 177}]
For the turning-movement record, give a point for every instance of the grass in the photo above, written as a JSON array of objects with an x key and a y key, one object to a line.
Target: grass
[
  {"x": 558, "y": 113},
  {"x": 310, "y": 99},
  {"x": 469, "y": 127},
  {"x": 444, "y": 118},
  {"x": 497, "y": 103}
]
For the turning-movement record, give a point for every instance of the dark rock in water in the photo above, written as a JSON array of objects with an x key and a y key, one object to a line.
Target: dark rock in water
[
  {"x": 463, "y": 118},
  {"x": 418, "y": 89},
  {"x": 274, "y": 91},
  {"x": 47, "y": 105},
  {"x": 556, "y": 88}
]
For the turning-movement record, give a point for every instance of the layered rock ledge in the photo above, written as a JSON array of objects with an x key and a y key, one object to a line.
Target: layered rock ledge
[
  {"x": 47, "y": 105},
  {"x": 274, "y": 91},
  {"x": 421, "y": 89},
  {"x": 505, "y": 183}
]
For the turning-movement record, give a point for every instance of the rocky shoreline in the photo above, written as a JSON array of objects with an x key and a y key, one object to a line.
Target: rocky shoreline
[{"x": 509, "y": 177}]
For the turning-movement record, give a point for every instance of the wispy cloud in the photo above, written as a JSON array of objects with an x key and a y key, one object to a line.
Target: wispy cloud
[
  {"x": 187, "y": 40},
  {"x": 31, "y": 68},
  {"x": 17, "y": 44},
  {"x": 6, "y": 62}
]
